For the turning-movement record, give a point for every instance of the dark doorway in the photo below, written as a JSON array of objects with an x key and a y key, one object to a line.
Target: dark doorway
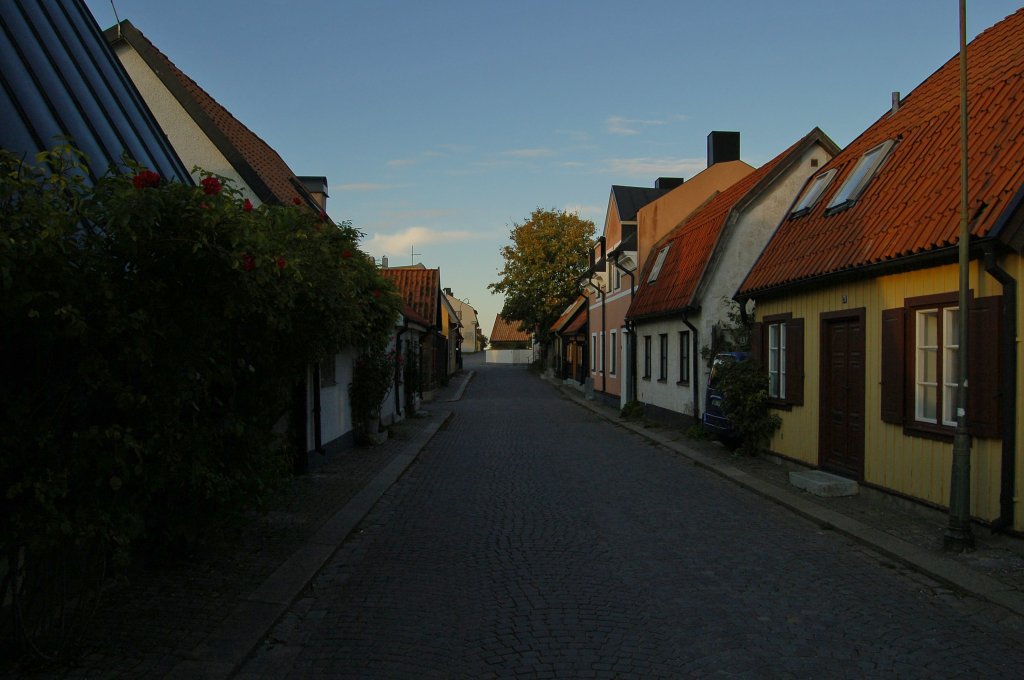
[{"x": 841, "y": 439}]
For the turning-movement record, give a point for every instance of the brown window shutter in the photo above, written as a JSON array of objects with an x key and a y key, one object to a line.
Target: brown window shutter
[
  {"x": 757, "y": 343},
  {"x": 794, "y": 361},
  {"x": 893, "y": 364},
  {"x": 983, "y": 369}
]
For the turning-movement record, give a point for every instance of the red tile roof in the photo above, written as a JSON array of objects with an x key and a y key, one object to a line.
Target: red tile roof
[
  {"x": 692, "y": 243},
  {"x": 420, "y": 288},
  {"x": 508, "y": 331},
  {"x": 912, "y": 205},
  {"x": 256, "y": 162},
  {"x": 569, "y": 313}
]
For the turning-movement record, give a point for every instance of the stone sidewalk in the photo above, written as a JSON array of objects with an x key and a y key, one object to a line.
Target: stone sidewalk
[{"x": 903, "y": 530}]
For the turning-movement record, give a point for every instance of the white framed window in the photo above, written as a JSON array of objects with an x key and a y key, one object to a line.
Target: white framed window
[
  {"x": 813, "y": 193},
  {"x": 658, "y": 263},
  {"x": 777, "y": 360},
  {"x": 936, "y": 354},
  {"x": 862, "y": 173},
  {"x": 602, "y": 350},
  {"x": 593, "y": 352},
  {"x": 647, "y": 357},
  {"x": 612, "y": 352}
]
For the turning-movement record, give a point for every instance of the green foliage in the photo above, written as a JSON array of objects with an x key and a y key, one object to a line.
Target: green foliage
[
  {"x": 548, "y": 255},
  {"x": 696, "y": 431},
  {"x": 373, "y": 375},
  {"x": 633, "y": 410},
  {"x": 745, "y": 402},
  {"x": 153, "y": 335}
]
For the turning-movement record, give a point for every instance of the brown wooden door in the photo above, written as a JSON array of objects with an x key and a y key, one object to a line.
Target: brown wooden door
[{"x": 841, "y": 446}]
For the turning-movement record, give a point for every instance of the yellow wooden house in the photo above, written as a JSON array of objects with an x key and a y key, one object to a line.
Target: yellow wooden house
[{"x": 856, "y": 294}]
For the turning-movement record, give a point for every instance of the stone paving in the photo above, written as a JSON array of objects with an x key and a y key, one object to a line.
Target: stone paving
[
  {"x": 152, "y": 623},
  {"x": 534, "y": 538}
]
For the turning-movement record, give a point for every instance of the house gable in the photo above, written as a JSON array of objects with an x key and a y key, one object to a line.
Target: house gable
[
  {"x": 692, "y": 250},
  {"x": 250, "y": 158}
]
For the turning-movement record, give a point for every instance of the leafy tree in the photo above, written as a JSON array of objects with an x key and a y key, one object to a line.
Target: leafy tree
[{"x": 548, "y": 255}]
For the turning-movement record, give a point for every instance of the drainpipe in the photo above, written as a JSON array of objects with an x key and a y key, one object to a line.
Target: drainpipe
[
  {"x": 590, "y": 282},
  {"x": 695, "y": 370},
  {"x": 631, "y": 329},
  {"x": 1007, "y": 397},
  {"x": 317, "y": 434}
]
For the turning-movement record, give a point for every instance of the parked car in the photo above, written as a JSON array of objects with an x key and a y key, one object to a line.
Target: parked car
[{"x": 715, "y": 421}]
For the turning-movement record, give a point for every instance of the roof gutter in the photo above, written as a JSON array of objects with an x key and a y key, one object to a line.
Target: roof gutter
[{"x": 931, "y": 258}]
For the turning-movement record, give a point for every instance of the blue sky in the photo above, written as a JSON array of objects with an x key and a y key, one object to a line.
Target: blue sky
[{"x": 440, "y": 124}]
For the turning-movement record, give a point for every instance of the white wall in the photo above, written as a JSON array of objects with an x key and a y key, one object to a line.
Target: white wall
[
  {"x": 509, "y": 356},
  {"x": 188, "y": 139},
  {"x": 668, "y": 394},
  {"x": 335, "y": 409}
]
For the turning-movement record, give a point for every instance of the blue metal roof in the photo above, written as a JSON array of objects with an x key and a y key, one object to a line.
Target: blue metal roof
[{"x": 61, "y": 79}]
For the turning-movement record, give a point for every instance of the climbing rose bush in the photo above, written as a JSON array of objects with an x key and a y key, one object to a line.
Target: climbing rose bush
[{"x": 153, "y": 334}]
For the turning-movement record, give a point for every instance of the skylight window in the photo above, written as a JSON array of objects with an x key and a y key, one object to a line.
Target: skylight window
[
  {"x": 813, "y": 193},
  {"x": 858, "y": 180},
  {"x": 656, "y": 269}
]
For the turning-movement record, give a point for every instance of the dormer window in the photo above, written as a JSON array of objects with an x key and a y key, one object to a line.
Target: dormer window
[
  {"x": 813, "y": 193},
  {"x": 858, "y": 180},
  {"x": 656, "y": 269}
]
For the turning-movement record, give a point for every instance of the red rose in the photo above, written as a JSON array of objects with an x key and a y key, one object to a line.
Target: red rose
[
  {"x": 202, "y": 204},
  {"x": 248, "y": 262},
  {"x": 376, "y": 293},
  {"x": 211, "y": 186},
  {"x": 281, "y": 263},
  {"x": 296, "y": 200},
  {"x": 146, "y": 179},
  {"x": 247, "y": 205}
]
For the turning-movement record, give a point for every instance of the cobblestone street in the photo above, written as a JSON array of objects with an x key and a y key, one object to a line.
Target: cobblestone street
[{"x": 532, "y": 538}]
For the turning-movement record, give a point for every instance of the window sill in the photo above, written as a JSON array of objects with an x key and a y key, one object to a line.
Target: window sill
[
  {"x": 780, "y": 405},
  {"x": 683, "y": 383},
  {"x": 663, "y": 381},
  {"x": 647, "y": 378},
  {"x": 927, "y": 431}
]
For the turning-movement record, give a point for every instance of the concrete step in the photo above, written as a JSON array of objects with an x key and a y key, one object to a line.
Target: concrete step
[{"x": 823, "y": 483}]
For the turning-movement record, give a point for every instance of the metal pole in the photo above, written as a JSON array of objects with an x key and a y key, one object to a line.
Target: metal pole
[{"x": 958, "y": 536}]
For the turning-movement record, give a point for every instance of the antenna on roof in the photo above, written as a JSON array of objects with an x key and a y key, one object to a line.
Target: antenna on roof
[
  {"x": 117, "y": 19},
  {"x": 413, "y": 254}
]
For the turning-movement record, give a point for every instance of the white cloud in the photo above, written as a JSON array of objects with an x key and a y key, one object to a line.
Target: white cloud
[
  {"x": 401, "y": 162},
  {"x": 587, "y": 212},
  {"x": 649, "y": 168},
  {"x": 528, "y": 153},
  {"x": 620, "y": 125},
  {"x": 400, "y": 242},
  {"x": 362, "y": 186}
]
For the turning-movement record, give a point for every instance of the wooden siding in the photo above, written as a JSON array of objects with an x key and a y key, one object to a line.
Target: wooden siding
[{"x": 908, "y": 465}]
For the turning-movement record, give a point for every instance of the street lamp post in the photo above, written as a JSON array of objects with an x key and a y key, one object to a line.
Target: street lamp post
[{"x": 958, "y": 536}]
